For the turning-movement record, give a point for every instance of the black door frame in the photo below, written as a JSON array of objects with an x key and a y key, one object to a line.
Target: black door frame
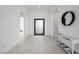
[{"x": 35, "y": 26}]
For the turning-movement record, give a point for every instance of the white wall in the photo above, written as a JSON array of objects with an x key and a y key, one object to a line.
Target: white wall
[
  {"x": 25, "y": 21},
  {"x": 54, "y": 21},
  {"x": 52, "y": 24},
  {"x": 9, "y": 27},
  {"x": 73, "y": 30},
  {"x": 39, "y": 14}
]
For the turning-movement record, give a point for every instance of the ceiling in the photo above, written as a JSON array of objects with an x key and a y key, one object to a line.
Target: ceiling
[{"x": 40, "y": 7}]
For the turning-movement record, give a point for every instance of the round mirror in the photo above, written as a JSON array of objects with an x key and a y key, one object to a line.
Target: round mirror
[{"x": 68, "y": 18}]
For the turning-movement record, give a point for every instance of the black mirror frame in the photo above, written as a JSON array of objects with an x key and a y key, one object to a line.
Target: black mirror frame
[
  {"x": 35, "y": 26},
  {"x": 63, "y": 18}
]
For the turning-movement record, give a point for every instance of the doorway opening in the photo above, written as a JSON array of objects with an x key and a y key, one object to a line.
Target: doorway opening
[{"x": 39, "y": 26}]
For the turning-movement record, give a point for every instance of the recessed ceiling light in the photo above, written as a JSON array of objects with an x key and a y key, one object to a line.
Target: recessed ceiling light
[{"x": 38, "y": 6}]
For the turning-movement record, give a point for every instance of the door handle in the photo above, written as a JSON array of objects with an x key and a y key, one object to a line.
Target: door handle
[{"x": 20, "y": 30}]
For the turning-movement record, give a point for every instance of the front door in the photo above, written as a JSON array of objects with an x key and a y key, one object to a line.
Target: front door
[{"x": 39, "y": 26}]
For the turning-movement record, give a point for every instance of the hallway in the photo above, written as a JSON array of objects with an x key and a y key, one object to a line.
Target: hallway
[
  {"x": 31, "y": 20},
  {"x": 39, "y": 29},
  {"x": 37, "y": 45}
]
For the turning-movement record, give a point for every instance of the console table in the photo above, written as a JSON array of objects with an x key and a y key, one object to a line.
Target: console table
[
  {"x": 64, "y": 46},
  {"x": 74, "y": 41}
]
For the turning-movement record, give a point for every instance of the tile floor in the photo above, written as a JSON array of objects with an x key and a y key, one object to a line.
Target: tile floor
[{"x": 37, "y": 45}]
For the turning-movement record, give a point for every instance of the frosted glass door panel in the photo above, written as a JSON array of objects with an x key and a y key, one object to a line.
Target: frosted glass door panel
[{"x": 39, "y": 26}]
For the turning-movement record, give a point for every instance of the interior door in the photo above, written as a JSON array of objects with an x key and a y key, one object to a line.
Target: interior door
[
  {"x": 22, "y": 26},
  {"x": 39, "y": 27}
]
